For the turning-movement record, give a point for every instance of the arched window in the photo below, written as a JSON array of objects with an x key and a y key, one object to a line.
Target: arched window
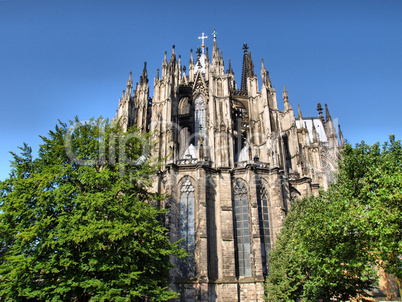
[
  {"x": 242, "y": 228},
  {"x": 187, "y": 227},
  {"x": 200, "y": 120},
  {"x": 263, "y": 221}
]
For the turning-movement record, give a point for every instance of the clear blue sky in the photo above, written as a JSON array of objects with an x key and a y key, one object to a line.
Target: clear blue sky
[{"x": 64, "y": 58}]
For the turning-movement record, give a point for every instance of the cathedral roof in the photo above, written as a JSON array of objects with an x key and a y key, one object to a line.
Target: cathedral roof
[{"x": 319, "y": 128}]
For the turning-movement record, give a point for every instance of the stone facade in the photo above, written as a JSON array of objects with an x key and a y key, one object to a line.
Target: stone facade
[{"x": 232, "y": 163}]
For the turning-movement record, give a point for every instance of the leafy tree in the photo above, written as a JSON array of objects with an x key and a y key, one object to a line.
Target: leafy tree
[
  {"x": 330, "y": 245},
  {"x": 78, "y": 222},
  {"x": 374, "y": 176},
  {"x": 317, "y": 255}
]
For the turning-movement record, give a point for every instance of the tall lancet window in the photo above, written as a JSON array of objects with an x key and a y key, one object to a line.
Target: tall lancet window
[
  {"x": 242, "y": 228},
  {"x": 200, "y": 120},
  {"x": 187, "y": 227},
  {"x": 263, "y": 220}
]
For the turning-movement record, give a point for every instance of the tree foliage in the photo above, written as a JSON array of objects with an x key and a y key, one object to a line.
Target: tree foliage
[
  {"x": 78, "y": 222},
  {"x": 330, "y": 245}
]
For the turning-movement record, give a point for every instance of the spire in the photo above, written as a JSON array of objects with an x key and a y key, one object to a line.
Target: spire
[
  {"x": 286, "y": 98},
  {"x": 319, "y": 109},
  {"x": 299, "y": 114},
  {"x": 329, "y": 125},
  {"x": 144, "y": 76},
  {"x": 264, "y": 74},
  {"x": 327, "y": 115},
  {"x": 191, "y": 68},
  {"x": 191, "y": 57},
  {"x": 129, "y": 84},
  {"x": 341, "y": 136},
  {"x": 173, "y": 56},
  {"x": 164, "y": 66},
  {"x": 214, "y": 34},
  {"x": 179, "y": 67},
  {"x": 248, "y": 67},
  {"x": 230, "y": 67},
  {"x": 215, "y": 47},
  {"x": 315, "y": 134}
]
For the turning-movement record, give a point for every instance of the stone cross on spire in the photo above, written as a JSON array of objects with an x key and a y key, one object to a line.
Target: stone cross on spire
[{"x": 203, "y": 44}]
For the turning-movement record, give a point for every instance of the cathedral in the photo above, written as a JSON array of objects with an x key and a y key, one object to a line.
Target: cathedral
[{"x": 232, "y": 163}]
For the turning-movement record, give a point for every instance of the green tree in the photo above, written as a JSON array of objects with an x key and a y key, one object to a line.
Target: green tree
[
  {"x": 374, "y": 176},
  {"x": 330, "y": 245},
  {"x": 317, "y": 255},
  {"x": 79, "y": 222}
]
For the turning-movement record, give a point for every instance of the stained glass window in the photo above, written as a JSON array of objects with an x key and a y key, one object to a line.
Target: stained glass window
[
  {"x": 242, "y": 227},
  {"x": 187, "y": 227},
  {"x": 263, "y": 220}
]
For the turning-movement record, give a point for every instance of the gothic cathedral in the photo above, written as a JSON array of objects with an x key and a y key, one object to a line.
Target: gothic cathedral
[{"x": 232, "y": 163}]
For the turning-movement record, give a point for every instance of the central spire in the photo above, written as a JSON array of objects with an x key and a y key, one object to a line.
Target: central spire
[{"x": 248, "y": 67}]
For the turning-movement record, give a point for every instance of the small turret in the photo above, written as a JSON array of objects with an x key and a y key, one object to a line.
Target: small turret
[
  {"x": 329, "y": 125},
  {"x": 144, "y": 76},
  {"x": 286, "y": 99},
  {"x": 129, "y": 84},
  {"x": 173, "y": 56},
  {"x": 230, "y": 70},
  {"x": 191, "y": 67},
  {"x": 299, "y": 114},
  {"x": 164, "y": 66}
]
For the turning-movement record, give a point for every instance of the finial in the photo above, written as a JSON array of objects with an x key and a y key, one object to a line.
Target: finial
[
  {"x": 174, "y": 46},
  {"x": 285, "y": 93},
  {"x": 214, "y": 34},
  {"x": 262, "y": 64},
  {"x": 319, "y": 109},
  {"x": 198, "y": 51},
  {"x": 285, "y": 98},
  {"x": 245, "y": 47},
  {"x": 157, "y": 73},
  {"x": 165, "y": 58}
]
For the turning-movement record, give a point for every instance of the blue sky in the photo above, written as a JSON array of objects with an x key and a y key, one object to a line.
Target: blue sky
[{"x": 60, "y": 58}]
